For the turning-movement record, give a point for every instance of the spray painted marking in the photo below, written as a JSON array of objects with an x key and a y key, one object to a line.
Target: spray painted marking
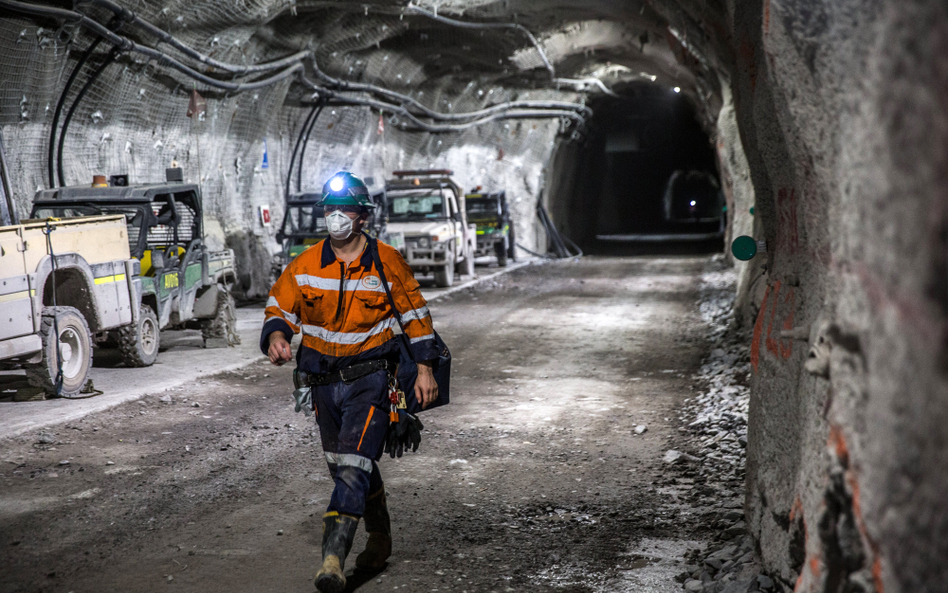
[{"x": 781, "y": 348}]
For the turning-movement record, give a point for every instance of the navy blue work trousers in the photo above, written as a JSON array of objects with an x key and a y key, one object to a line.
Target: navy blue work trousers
[{"x": 353, "y": 420}]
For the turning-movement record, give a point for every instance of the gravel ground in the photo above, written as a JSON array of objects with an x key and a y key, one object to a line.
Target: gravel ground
[{"x": 550, "y": 470}]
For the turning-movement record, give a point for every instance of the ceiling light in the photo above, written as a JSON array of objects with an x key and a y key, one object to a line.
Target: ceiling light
[{"x": 677, "y": 89}]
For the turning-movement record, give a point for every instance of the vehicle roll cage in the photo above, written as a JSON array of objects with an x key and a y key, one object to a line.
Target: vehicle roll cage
[{"x": 107, "y": 200}]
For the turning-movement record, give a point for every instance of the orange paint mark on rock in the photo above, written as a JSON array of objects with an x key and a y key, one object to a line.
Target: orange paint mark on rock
[
  {"x": 815, "y": 566},
  {"x": 796, "y": 509},
  {"x": 759, "y": 331},
  {"x": 877, "y": 575},
  {"x": 838, "y": 444}
]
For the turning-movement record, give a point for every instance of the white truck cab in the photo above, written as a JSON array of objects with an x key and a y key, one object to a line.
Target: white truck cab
[{"x": 427, "y": 222}]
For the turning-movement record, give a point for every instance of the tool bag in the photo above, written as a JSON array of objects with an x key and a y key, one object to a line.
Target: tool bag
[{"x": 407, "y": 368}]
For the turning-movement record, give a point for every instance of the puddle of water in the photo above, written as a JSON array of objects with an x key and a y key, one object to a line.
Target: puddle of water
[{"x": 653, "y": 567}]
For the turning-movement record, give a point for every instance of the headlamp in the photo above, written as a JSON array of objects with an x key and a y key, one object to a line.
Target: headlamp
[{"x": 336, "y": 184}]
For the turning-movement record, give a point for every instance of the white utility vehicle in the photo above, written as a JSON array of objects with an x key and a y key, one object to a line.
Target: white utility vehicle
[
  {"x": 427, "y": 222},
  {"x": 73, "y": 279}
]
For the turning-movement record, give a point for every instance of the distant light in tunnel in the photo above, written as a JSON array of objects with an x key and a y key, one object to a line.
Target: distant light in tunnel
[
  {"x": 677, "y": 89},
  {"x": 693, "y": 202}
]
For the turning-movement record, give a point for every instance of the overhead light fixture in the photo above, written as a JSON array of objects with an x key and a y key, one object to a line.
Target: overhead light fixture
[{"x": 677, "y": 89}]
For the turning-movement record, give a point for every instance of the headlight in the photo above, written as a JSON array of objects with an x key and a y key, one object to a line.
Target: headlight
[{"x": 424, "y": 242}]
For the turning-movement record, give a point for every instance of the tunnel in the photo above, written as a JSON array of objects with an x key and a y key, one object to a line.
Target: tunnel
[
  {"x": 725, "y": 248},
  {"x": 646, "y": 158}
]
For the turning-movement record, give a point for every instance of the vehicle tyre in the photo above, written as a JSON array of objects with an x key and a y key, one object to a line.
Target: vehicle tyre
[
  {"x": 75, "y": 344},
  {"x": 138, "y": 342},
  {"x": 511, "y": 245},
  {"x": 444, "y": 276},
  {"x": 501, "y": 252},
  {"x": 223, "y": 326}
]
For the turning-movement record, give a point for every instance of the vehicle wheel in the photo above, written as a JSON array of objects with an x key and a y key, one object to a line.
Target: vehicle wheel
[
  {"x": 511, "y": 245},
  {"x": 138, "y": 343},
  {"x": 75, "y": 344},
  {"x": 444, "y": 276},
  {"x": 223, "y": 326},
  {"x": 501, "y": 254}
]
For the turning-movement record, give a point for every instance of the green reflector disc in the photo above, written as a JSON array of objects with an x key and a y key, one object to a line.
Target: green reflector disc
[{"x": 744, "y": 248}]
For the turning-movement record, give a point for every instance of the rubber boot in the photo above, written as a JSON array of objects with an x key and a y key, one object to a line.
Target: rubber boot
[
  {"x": 338, "y": 533},
  {"x": 379, "y": 526}
]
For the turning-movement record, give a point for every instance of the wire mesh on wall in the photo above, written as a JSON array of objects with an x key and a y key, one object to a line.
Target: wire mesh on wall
[{"x": 134, "y": 117}]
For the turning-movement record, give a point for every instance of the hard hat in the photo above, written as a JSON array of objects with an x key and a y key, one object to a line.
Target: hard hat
[{"x": 345, "y": 189}]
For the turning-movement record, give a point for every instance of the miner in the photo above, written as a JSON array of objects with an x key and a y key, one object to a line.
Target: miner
[{"x": 332, "y": 295}]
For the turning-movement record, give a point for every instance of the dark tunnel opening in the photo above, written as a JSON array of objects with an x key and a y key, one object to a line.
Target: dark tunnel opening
[{"x": 644, "y": 180}]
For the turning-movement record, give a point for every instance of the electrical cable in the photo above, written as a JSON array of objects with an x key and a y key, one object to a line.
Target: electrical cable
[
  {"x": 165, "y": 37},
  {"x": 296, "y": 148},
  {"x": 559, "y": 240},
  {"x": 59, "y": 107},
  {"x": 585, "y": 82},
  {"x": 403, "y": 112},
  {"x": 113, "y": 54},
  {"x": 127, "y": 45},
  {"x": 309, "y": 129},
  {"x": 58, "y": 381},
  {"x": 122, "y": 44},
  {"x": 395, "y": 96}
]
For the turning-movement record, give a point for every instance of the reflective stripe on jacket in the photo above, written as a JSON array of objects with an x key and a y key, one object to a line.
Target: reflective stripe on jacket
[{"x": 343, "y": 311}]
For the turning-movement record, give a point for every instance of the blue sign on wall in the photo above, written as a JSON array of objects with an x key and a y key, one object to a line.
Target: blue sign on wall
[{"x": 266, "y": 159}]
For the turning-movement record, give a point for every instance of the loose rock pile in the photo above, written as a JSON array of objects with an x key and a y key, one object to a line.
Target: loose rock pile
[{"x": 715, "y": 423}]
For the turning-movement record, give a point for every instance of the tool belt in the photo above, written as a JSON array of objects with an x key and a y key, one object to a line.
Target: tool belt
[{"x": 346, "y": 375}]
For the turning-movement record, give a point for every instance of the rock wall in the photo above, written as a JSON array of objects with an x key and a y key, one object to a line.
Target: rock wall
[{"x": 841, "y": 111}]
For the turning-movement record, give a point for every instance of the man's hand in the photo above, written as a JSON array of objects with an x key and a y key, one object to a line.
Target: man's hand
[
  {"x": 279, "y": 351},
  {"x": 426, "y": 389}
]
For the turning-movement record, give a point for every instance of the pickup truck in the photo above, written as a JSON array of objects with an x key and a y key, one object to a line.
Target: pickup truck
[
  {"x": 75, "y": 278},
  {"x": 425, "y": 211}
]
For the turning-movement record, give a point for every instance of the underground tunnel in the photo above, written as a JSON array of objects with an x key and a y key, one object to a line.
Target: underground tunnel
[{"x": 689, "y": 258}]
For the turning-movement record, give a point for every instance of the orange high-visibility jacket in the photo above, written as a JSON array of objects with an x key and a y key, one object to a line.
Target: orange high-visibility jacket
[{"x": 343, "y": 312}]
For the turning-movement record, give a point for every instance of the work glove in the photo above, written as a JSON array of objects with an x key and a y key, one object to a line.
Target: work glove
[
  {"x": 304, "y": 400},
  {"x": 403, "y": 434}
]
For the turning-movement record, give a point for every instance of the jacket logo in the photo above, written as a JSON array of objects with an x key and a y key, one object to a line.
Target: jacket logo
[{"x": 371, "y": 282}]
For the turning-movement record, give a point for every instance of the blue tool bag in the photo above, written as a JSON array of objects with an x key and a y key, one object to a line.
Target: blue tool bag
[{"x": 407, "y": 367}]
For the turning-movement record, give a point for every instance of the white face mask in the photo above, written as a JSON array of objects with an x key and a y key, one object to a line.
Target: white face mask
[{"x": 339, "y": 225}]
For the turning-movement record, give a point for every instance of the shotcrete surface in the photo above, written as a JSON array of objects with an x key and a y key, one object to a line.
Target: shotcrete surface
[{"x": 533, "y": 479}]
